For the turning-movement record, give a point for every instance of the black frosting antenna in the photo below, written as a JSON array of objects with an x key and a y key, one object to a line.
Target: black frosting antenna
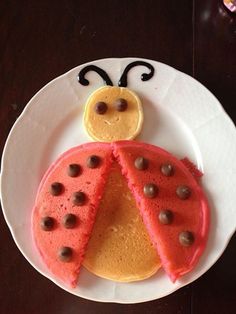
[
  {"x": 83, "y": 81},
  {"x": 144, "y": 77}
]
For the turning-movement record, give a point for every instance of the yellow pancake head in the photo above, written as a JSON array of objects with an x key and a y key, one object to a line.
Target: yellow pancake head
[{"x": 113, "y": 125}]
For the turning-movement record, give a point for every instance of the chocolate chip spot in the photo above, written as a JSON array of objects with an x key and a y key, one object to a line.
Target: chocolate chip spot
[
  {"x": 93, "y": 161},
  {"x": 121, "y": 104},
  {"x": 141, "y": 163},
  {"x": 47, "y": 223},
  {"x": 73, "y": 170},
  {"x": 183, "y": 192},
  {"x": 65, "y": 254},
  {"x": 150, "y": 190},
  {"x": 100, "y": 107},
  {"x": 186, "y": 238},
  {"x": 56, "y": 188},
  {"x": 166, "y": 216},
  {"x": 78, "y": 198},
  {"x": 69, "y": 221},
  {"x": 167, "y": 170}
]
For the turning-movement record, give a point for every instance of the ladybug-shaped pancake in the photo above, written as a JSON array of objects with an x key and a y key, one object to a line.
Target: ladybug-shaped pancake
[{"x": 166, "y": 191}]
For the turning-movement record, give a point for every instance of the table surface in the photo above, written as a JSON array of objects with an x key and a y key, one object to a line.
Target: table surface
[{"x": 43, "y": 39}]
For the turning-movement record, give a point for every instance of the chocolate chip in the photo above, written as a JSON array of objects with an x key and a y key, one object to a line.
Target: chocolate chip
[
  {"x": 47, "y": 223},
  {"x": 73, "y": 170},
  {"x": 141, "y": 163},
  {"x": 150, "y": 190},
  {"x": 93, "y": 161},
  {"x": 166, "y": 216},
  {"x": 65, "y": 254},
  {"x": 56, "y": 188},
  {"x": 69, "y": 221},
  {"x": 186, "y": 238},
  {"x": 100, "y": 107},
  {"x": 167, "y": 170},
  {"x": 121, "y": 104},
  {"x": 183, "y": 192},
  {"x": 78, "y": 198}
]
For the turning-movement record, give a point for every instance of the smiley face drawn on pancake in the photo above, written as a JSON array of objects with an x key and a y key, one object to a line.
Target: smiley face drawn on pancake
[
  {"x": 113, "y": 113},
  {"x": 105, "y": 119}
]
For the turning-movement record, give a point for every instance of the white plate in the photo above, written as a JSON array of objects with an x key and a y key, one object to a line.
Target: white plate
[{"x": 181, "y": 115}]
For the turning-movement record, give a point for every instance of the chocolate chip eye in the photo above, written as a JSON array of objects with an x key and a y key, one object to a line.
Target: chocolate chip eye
[
  {"x": 100, "y": 107},
  {"x": 121, "y": 104}
]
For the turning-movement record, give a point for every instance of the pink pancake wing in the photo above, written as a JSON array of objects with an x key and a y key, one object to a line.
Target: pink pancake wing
[
  {"x": 91, "y": 181},
  {"x": 191, "y": 214}
]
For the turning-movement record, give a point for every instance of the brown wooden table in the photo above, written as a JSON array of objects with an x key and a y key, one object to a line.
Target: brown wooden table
[{"x": 40, "y": 40}]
